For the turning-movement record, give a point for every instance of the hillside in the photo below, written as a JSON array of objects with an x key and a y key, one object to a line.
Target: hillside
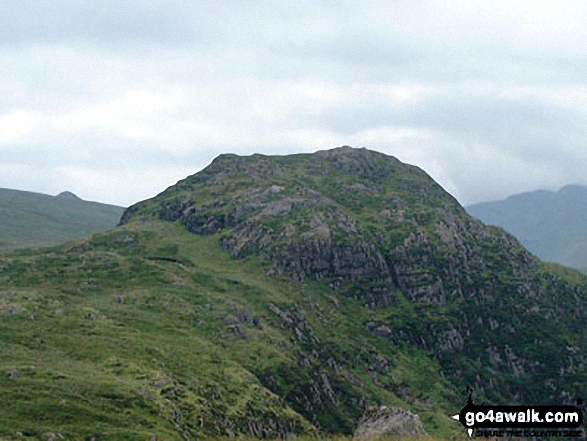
[
  {"x": 35, "y": 220},
  {"x": 267, "y": 296},
  {"x": 552, "y": 225}
]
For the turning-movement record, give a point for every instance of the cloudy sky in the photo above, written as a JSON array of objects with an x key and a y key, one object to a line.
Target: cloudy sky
[{"x": 116, "y": 100}]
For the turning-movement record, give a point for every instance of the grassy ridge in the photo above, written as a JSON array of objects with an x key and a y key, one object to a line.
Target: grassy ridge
[
  {"x": 35, "y": 220},
  {"x": 102, "y": 339}
]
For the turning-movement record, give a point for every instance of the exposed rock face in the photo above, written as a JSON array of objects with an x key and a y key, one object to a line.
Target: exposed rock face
[
  {"x": 421, "y": 243},
  {"x": 385, "y": 234},
  {"x": 389, "y": 423},
  {"x": 305, "y": 229},
  {"x": 400, "y": 298}
]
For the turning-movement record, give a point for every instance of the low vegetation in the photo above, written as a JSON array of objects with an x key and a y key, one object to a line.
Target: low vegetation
[{"x": 193, "y": 320}]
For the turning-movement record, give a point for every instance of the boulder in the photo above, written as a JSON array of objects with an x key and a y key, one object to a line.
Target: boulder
[
  {"x": 389, "y": 422},
  {"x": 13, "y": 374}
]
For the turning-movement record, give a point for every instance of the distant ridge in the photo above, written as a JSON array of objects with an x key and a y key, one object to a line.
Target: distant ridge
[
  {"x": 30, "y": 219},
  {"x": 551, "y": 224},
  {"x": 68, "y": 195}
]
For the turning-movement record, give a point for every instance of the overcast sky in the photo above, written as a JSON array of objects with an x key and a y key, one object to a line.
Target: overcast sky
[{"x": 117, "y": 100}]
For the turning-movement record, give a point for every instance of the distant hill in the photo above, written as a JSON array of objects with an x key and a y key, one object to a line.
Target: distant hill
[
  {"x": 68, "y": 195},
  {"x": 553, "y": 225},
  {"x": 32, "y": 219}
]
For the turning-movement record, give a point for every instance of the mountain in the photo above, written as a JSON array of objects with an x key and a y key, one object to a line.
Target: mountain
[
  {"x": 277, "y": 295},
  {"x": 552, "y": 225},
  {"x": 35, "y": 220},
  {"x": 68, "y": 195}
]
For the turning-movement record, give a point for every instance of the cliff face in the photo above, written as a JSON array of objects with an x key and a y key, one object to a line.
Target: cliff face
[
  {"x": 385, "y": 233},
  {"x": 344, "y": 216}
]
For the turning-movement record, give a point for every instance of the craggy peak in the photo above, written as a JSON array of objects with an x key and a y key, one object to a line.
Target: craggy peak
[
  {"x": 246, "y": 285},
  {"x": 267, "y": 296}
]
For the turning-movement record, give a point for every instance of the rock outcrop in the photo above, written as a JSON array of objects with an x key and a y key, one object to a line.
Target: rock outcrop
[
  {"x": 384, "y": 235},
  {"x": 389, "y": 423}
]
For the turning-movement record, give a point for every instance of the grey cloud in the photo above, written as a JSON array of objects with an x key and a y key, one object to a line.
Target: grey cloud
[
  {"x": 65, "y": 21},
  {"x": 115, "y": 156},
  {"x": 478, "y": 116},
  {"x": 64, "y": 57},
  {"x": 485, "y": 116},
  {"x": 345, "y": 42},
  {"x": 179, "y": 23},
  {"x": 487, "y": 145}
]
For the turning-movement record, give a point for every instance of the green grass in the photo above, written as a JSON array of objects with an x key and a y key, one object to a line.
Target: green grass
[
  {"x": 96, "y": 329},
  {"x": 150, "y": 329}
]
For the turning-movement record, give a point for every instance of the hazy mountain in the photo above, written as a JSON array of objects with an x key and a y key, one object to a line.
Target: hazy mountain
[
  {"x": 267, "y": 296},
  {"x": 553, "y": 225},
  {"x": 34, "y": 220},
  {"x": 68, "y": 195}
]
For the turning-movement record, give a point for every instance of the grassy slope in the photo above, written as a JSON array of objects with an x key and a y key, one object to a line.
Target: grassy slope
[
  {"x": 33, "y": 220},
  {"x": 134, "y": 329},
  {"x": 92, "y": 332}
]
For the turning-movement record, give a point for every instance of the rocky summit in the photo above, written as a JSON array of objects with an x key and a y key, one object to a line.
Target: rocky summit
[{"x": 277, "y": 295}]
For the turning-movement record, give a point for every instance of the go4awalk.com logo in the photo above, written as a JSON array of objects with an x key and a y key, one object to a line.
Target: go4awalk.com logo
[{"x": 521, "y": 421}]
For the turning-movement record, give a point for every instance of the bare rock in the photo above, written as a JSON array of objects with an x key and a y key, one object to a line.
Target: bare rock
[
  {"x": 238, "y": 329},
  {"x": 389, "y": 422},
  {"x": 160, "y": 383},
  {"x": 12, "y": 309},
  {"x": 382, "y": 331},
  {"x": 13, "y": 374}
]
